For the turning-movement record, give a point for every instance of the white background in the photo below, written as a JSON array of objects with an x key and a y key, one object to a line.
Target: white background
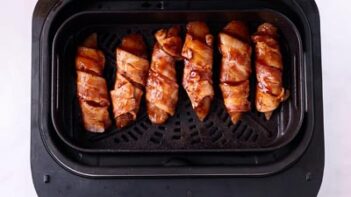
[{"x": 15, "y": 69}]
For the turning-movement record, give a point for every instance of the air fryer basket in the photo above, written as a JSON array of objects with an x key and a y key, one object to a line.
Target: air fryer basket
[
  {"x": 183, "y": 132},
  {"x": 183, "y": 146}
]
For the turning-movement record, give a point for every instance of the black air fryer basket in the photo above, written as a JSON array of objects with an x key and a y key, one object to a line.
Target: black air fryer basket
[{"x": 184, "y": 157}]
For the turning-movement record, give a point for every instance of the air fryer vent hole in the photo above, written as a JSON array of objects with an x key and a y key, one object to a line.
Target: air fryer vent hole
[
  {"x": 142, "y": 124},
  {"x": 155, "y": 140},
  {"x": 138, "y": 131},
  {"x": 158, "y": 134},
  {"x": 176, "y": 137},
  {"x": 192, "y": 127},
  {"x": 240, "y": 131},
  {"x": 254, "y": 138},
  {"x": 162, "y": 128},
  {"x": 132, "y": 136},
  {"x": 247, "y": 135},
  {"x": 209, "y": 124},
  {"x": 125, "y": 138}
]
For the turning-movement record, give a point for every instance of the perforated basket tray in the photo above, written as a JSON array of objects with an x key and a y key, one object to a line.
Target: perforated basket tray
[{"x": 183, "y": 132}]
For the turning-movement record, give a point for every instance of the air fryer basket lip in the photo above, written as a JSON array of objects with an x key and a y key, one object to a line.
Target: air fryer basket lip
[
  {"x": 261, "y": 149},
  {"x": 306, "y": 15}
]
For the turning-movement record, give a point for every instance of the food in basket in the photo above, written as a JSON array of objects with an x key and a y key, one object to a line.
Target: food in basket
[
  {"x": 269, "y": 67},
  {"x": 91, "y": 86},
  {"x": 198, "y": 59},
  {"x": 162, "y": 87},
  {"x": 132, "y": 69},
  {"x": 235, "y": 68}
]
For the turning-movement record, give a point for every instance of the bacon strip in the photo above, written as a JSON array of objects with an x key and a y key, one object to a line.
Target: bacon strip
[
  {"x": 198, "y": 59},
  {"x": 269, "y": 66},
  {"x": 132, "y": 69},
  {"x": 162, "y": 87},
  {"x": 91, "y": 86},
  {"x": 235, "y": 69}
]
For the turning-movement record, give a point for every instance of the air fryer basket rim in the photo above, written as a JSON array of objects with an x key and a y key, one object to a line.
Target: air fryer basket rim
[{"x": 41, "y": 123}]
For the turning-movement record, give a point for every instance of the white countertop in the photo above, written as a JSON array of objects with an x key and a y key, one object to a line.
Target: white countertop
[{"x": 15, "y": 70}]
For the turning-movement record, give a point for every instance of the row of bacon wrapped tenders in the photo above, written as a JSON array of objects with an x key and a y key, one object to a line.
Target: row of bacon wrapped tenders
[{"x": 158, "y": 79}]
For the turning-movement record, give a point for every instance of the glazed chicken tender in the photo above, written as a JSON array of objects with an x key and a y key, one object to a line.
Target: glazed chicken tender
[
  {"x": 198, "y": 59},
  {"x": 235, "y": 68},
  {"x": 269, "y": 66},
  {"x": 132, "y": 69},
  {"x": 91, "y": 86},
  {"x": 162, "y": 87}
]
